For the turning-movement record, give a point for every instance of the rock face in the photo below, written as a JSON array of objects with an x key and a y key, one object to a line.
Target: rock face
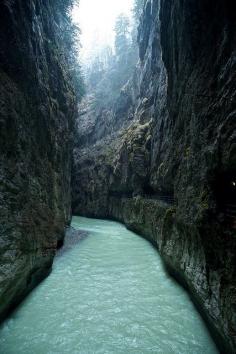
[
  {"x": 37, "y": 109},
  {"x": 164, "y": 160}
]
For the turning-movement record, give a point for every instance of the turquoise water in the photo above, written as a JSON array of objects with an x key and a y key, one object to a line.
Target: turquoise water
[{"x": 109, "y": 294}]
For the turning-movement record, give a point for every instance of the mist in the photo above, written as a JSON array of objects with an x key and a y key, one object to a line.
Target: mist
[{"x": 96, "y": 20}]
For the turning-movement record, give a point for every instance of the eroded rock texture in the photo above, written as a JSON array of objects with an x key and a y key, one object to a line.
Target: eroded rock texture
[
  {"x": 37, "y": 108},
  {"x": 164, "y": 160}
]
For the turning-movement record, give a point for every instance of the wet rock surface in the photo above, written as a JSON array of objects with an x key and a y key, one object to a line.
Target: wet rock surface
[
  {"x": 166, "y": 165},
  {"x": 37, "y": 108}
]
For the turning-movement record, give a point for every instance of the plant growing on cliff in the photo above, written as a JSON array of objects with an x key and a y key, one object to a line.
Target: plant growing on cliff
[
  {"x": 69, "y": 35},
  {"x": 137, "y": 9},
  {"x": 121, "y": 29}
]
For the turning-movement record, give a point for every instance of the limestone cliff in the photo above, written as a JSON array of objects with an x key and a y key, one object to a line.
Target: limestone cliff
[
  {"x": 164, "y": 160},
  {"x": 37, "y": 109}
]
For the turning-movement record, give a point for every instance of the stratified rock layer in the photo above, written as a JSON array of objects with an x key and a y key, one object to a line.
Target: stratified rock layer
[
  {"x": 37, "y": 108},
  {"x": 165, "y": 163}
]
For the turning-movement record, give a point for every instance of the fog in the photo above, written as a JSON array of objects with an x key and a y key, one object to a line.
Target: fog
[{"x": 96, "y": 19}]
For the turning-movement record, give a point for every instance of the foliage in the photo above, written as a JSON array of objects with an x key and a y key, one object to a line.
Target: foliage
[
  {"x": 69, "y": 36},
  {"x": 137, "y": 12},
  {"x": 121, "y": 29},
  {"x": 137, "y": 9},
  {"x": 113, "y": 67},
  {"x": 111, "y": 70}
]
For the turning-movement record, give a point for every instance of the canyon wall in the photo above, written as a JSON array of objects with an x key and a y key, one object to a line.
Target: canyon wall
[
  {"x": 37, "y": 112},
  {"x": 163, "y": 161}
]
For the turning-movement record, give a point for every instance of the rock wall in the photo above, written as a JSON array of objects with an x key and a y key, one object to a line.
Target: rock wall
[
  {"x": 37, "y": 112},
  {"x": 166, "y": 162}
]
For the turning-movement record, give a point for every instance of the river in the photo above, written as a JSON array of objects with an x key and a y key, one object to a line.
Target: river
[{"x": 109, "y": 294}]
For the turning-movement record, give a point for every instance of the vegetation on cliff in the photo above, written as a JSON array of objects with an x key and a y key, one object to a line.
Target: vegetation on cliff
[
  {"x": 70, "y": 50},
  {"x": 115, "y": 65}
]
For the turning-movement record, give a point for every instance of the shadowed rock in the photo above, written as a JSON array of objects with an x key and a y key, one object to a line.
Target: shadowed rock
[{"x": 37, "y": 108}]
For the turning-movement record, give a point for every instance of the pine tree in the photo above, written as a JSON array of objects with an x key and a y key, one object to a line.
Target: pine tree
[
  {"x": 121, "y": 29},
  {"x": 69, "y": 34},
  {"x": 137, "y": 9}
]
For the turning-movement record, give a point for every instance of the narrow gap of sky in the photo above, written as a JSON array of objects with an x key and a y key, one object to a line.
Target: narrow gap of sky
[{"x": 96, "y": 19}]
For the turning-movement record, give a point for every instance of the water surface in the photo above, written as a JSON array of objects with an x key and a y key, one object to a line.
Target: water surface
[{"x": 109, "y": 294}]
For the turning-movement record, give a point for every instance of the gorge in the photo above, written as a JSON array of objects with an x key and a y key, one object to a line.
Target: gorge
[{"x": 160, "y": 158}]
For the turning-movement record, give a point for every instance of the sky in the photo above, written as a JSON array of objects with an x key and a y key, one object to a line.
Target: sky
[{"x": 96, "y": 19}]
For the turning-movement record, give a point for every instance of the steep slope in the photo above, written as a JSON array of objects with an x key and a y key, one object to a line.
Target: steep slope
[
  {"x": 164, "y": 160},
  {"x": 37, "y": 109}
]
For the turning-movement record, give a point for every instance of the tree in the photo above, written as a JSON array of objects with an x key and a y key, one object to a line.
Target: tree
[
  {"x": 69, "y": 34},
  {"x": 137, "y": 9},
  {"x": 121, "y": 29},
  {"x": 110, "y": 70}
]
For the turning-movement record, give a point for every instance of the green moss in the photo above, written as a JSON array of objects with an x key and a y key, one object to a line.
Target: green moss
[{"x": 204, "y": 199}]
